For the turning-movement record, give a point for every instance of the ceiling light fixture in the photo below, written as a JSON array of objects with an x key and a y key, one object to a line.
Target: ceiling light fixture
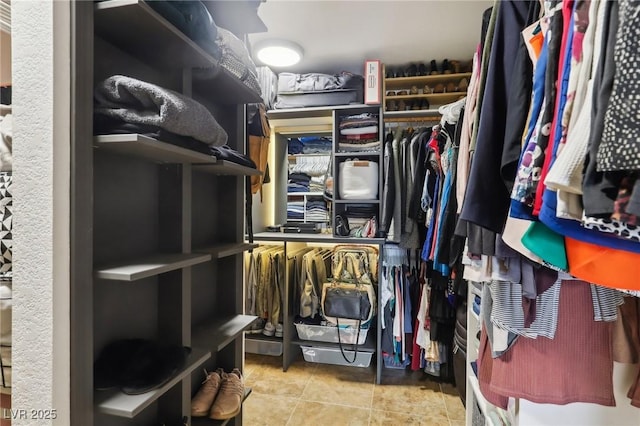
[{"x": 278, "y": 53}]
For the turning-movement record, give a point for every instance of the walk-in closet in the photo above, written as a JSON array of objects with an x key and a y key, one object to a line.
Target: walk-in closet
[{"x": 275, "y": 212}]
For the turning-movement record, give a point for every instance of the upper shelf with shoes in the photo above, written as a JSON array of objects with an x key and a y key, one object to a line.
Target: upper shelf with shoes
[{"x": 421, "y": 87}]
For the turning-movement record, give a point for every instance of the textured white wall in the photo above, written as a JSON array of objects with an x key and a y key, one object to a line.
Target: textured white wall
[{"x": 41, "y": 94}]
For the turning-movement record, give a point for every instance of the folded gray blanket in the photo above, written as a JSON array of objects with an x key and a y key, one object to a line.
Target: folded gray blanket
[{"x": 136, "y": 101}]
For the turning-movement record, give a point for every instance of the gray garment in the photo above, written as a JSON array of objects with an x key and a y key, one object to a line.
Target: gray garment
[
  {"x": 486, "y": 306},
  {"x": 605, "y": 303},
  {"x": 634, "y": 202},
  {"x": 395, "y": 229},
  {"x": 139, "y": 102},
  {"x": 410, "y": 238},
  {"x": 507, "y": 312}
]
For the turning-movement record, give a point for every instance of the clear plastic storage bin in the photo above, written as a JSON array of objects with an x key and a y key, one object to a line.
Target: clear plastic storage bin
[
  {"x": 329, "y": 333},
  {"x": 333, "y": 356}
]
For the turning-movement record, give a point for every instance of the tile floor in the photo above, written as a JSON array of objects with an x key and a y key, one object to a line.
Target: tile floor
[{"x": 318, "y": 394}]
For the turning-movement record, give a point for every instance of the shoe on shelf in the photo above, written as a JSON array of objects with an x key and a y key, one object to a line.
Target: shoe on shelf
[
  {"x": 446, "y": 68},
  {"x": 203, "y": 400},
  {"x": 451, "y": 87},
  {"x": 402, "y": 93},
  {"x": 404, "y": 105},
  {"x": 269, "y": 329},
  {"x": 434, "y": 68},
  {"x": 257, "y": 327},
  {"x": 454, "y": 66},
  {"x": 411, "y": 71},
  {"x": 422, "y": 69},
  {"x": 279, "y": 330},
  {"x": 463, "y": 85},
  {"x": 415, "y": 105},
  {"x": 427, "y": 90},
  {"x": 424, "y": 104},
  {"x": 439, "y": 88},
  {"x": 414, "y": 90},
  {"x": 389, "y": 72},
  {"x": 229, "y": 401},
  {"x": 392, "y": 105}
]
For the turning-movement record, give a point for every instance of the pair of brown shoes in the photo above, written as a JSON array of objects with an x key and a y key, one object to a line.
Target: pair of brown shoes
[{"x": 220, "y": 396}]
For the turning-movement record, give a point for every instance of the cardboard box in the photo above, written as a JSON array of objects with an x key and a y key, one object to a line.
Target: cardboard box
[{"x": 372, "y": 82}]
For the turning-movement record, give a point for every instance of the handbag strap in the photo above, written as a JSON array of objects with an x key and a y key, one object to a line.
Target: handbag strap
[{"x": 355, "y": 355}]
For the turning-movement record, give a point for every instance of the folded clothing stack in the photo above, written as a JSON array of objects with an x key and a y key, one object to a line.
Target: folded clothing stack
[
  {"x": 359, "y": 133},
  {"x": 235, "y": 59},
  {"x": 127, "y": 105},
  {"x": 195, "y": 21},
  {"x": 316, "y": 184},
  {"x": 317, "y": 211},
  {"x": 310, "y": 145},
  {"x": 295, "y": 210},
  {"x": 298, "y": 182}
]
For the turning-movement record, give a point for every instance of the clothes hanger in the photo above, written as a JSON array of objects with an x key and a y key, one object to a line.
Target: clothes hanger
[{"x": 451, "y": 112}]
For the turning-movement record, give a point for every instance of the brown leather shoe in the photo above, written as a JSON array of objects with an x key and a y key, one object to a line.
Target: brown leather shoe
[
  {"x": 229, "y": 401},
  {"x": 451, "y": 87},
  {"x": 439, "y": 88},
  {"x": 202, "y": 401},
  {"x": 455, "y": 66}
]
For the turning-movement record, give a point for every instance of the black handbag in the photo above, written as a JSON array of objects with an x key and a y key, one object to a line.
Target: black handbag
[{"x": 348, "y": 303}]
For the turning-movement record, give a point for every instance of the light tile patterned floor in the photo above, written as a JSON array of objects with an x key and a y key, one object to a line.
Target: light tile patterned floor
[{"x": 318, "y": 394}]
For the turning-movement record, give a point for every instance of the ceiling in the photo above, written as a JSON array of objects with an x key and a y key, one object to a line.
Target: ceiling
[{"x": 340, "y": 35}]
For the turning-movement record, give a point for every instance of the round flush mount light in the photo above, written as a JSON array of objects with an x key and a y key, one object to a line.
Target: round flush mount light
[{"x": 278, "y": 53}]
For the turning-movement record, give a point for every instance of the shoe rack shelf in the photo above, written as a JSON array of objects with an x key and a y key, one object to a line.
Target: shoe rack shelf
[
  {"x": 122, "y": 405},
  {"x": 435, "y": 96},
  {"x": 404, "y": 82}
]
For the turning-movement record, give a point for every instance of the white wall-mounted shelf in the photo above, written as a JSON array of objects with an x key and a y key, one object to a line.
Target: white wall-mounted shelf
[
  {"x": 122, "y": 405},
  {"x": 150, "y": 266},
  {"x": 135, "y": 145}
]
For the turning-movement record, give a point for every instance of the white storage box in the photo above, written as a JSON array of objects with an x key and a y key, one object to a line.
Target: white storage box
[
  {"x": 358, "y": 180},
  {"x": 333, "y": 356},
  {"x": 329, "y": 333}
]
